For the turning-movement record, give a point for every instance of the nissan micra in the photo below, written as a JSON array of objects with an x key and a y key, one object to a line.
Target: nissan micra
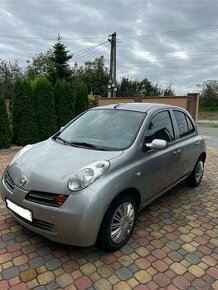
[{"x": 87, "y": 183}]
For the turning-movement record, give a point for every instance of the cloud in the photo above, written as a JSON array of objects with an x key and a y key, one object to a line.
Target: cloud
[{"x": 164, "y": 41}]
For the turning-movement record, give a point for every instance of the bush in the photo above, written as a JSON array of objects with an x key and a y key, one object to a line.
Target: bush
[
  {"x": 25, "y": 128},
  {"x": 64, "y": 104},
  {"x": 44, "y": 107},
  {"x": 81, "y": 101},
  {"x": 5, "y": 131}
]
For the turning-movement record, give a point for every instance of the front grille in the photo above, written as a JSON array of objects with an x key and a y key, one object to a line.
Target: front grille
[
  {"x": 9, "y": 181},
  {"x": 45, "y": 198},
  {"x": 36, "y": 223},
  {"x": 43, "y": 225}
]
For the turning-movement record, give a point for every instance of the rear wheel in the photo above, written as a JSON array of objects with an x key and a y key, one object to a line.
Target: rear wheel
[
  {"x": 196, "y": 176},
  {"x": 118, "y": 223}
]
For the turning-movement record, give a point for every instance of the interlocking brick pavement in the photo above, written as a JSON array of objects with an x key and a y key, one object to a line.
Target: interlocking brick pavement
[{"x": 174, "y": 246}]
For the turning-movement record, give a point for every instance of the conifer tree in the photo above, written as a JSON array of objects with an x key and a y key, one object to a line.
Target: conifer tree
[
  {"x": 25, "y": 128},
  {"x": 64, "y": 104},
  {"x": 45, "y": 107},
  {"x": 60, "y": 57},
  {"x": 5, "y": 131},
  {"x": 81, "y": 100}
]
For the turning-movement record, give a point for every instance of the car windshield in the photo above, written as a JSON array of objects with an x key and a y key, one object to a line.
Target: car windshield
[{"x": 103, "y": 129}]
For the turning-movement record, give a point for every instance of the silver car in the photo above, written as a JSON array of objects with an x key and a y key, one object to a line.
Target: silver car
[{"x": 87, "y": 183}]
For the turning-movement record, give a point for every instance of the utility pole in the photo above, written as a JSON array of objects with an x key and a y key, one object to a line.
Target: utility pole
[{"x": 112, "y": 85}]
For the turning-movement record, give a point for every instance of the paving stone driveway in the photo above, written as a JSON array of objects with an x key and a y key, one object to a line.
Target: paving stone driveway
[{"x": 174, "y": 246}]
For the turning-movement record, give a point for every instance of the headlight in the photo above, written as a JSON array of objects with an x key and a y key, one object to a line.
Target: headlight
[
  {"x": 19, "y": 153},
  {"x": 87, "y": 175}
]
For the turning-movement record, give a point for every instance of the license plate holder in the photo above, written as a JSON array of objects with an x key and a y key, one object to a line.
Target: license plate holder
[{"x": 20, "y": 211}]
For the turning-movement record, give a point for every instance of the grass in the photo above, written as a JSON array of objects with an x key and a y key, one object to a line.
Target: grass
[{"x": 209, "y": 125}]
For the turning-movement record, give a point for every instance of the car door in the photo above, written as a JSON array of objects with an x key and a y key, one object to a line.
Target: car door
[
  {"x": 187, "y": 143},
  {"x": 158, "y": 168}
]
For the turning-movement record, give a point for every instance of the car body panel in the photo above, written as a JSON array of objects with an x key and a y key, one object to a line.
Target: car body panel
[{"x": 48, "y": 165}]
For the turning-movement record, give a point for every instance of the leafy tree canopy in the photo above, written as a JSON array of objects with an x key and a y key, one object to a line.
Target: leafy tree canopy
[
  {"x": 95, "y": 75},
  {"x": 9, "y": 72},
  {"x": 40, "y": 65},
  {"x": 128, "y": 87}
]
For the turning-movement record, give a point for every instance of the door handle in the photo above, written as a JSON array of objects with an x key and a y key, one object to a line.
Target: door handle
[
  {"x": 197, "y": 142},
  {"x": 176, "y": 152}
]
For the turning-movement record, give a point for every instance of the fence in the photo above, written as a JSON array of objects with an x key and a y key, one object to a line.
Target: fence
[{"x": 189, "y": 102}]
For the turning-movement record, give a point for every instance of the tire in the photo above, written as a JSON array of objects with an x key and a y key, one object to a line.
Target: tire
[
  {"x": 196, "y": 176},
  {"x": 118, "y": 223}
]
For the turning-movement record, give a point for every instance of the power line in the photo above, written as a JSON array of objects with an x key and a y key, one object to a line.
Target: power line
[
  {"x": 83, "y": 51},
  {"x": 177, "y": 32},
  {"x": 48, "y": 38}
]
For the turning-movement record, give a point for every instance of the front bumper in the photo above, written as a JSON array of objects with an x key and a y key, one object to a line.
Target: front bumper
[{"x": 76, "y": 222}]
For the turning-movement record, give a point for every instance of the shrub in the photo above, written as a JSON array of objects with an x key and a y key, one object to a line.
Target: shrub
[
  {"x": 5, "y": 131},
  {"x": 25, "y": 128}
]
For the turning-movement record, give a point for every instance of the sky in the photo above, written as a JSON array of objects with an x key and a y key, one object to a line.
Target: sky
[{"x": 163, "y": 41}]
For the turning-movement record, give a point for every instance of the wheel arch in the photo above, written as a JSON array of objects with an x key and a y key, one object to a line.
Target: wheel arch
[{"x": 203, "y": 156}]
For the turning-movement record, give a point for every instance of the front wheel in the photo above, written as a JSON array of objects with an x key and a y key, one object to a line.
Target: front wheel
[
  {"x": 196, "y": 176},
  {"x": 118, "y": 223}
]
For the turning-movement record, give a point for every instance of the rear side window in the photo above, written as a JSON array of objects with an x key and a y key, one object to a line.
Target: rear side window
[
  {"x": 160, "y": 127},
  {"x": 184, "y": 124}
]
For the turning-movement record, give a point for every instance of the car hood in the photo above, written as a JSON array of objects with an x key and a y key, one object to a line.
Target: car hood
[{"x": 48, "y": 165}]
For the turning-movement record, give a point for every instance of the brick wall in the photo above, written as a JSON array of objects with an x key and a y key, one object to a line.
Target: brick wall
[{"x": 189, "y": 102}]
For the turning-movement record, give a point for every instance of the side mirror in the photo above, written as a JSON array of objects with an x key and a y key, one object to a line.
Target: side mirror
[{"x": 157, "y": 144}]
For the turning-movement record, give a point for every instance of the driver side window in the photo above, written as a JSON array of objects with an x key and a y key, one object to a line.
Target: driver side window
[{"x": 160, "y": 127}]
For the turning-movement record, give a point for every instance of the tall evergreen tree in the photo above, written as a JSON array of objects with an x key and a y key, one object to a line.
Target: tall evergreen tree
[
  {"x": 64, "y": 104},
  {"x": 60, "y": 57},
  {"x": 5, "y": 131},
  {"x": 25, "y": 128},
  {"x": 81, "y": 100},
  {"x": 45, "y": 107}
]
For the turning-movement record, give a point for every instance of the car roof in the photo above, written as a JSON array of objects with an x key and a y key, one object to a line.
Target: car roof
[{"x": 139, "y": 107}]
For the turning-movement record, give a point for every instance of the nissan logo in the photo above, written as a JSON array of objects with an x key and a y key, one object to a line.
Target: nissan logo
[{"x": 23, "y": 181}]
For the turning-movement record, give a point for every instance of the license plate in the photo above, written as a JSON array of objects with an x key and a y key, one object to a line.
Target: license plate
[{"x": 22, "y": 212}]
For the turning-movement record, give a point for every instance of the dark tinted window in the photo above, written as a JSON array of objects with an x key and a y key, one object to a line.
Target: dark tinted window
[
  {"x": 160, "y": 127},
  {"x": 184, "y": 124},
  {"x": 190, "y": 124}
]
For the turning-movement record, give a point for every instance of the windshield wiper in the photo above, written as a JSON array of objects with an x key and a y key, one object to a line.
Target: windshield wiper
[
  {"x": 89, "y": 145},
  {"x": 62, "y": 140}
]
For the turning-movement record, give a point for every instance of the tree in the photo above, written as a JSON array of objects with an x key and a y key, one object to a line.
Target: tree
[
  {"x": 128, "y": 87},
  {"x": 147, "y": 88},
  {"x": 64, "y": 103},
  {"x": 40, "y": 65},
  {"x": 81, "y": 100},
  {"x": 25, "y": 128},
  {"x": 10, "y": 71},
  {"x": 59, "y": 58},
  {"x": 95, "y": 75},
  {"x": 5, "y": 131},
  {"x": 209, "y": 94},
  {"x": 169, "y": 91},
  {"x": 45, "y": 107}
]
